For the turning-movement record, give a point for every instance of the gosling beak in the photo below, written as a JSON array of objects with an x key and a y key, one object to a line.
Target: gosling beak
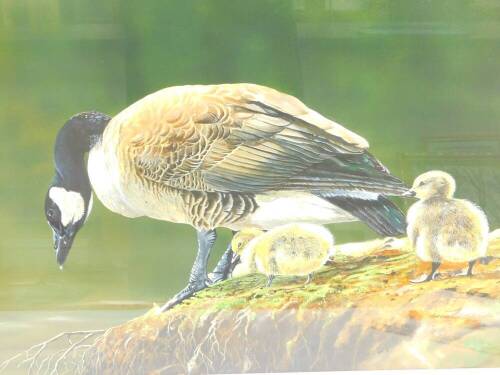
[{"x": 410, "y": 193}]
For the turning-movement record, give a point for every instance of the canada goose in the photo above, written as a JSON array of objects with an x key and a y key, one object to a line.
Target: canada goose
[
  {"x": 441, "y": 228},
  {"x": 297, "y": 249},
  {"x": 232, "y": 155}
]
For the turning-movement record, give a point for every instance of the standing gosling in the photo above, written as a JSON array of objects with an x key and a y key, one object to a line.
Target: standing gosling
[
  {"x": 441, "y": 228},
  {"x": 287, "y": 250}
]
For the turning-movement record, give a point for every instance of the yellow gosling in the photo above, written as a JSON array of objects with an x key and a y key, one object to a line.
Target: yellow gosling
[
  {"x": 288, "y": 250},
  {"x": 442, "y": 228}
]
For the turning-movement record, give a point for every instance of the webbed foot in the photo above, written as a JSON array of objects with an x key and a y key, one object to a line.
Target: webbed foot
[
  {"x": 225, "y": 266},
  {"x": 191, "y": 289},
  {"x": 424, "y": 278},
  {"x": 468, "y": 271},
  {"x": 223, "y": 269},
  {"x": 432, "y": 276},
  {"x": 198, "y": 279}
]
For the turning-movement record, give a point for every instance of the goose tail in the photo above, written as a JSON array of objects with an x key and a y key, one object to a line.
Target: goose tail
[{"x": 378, "y": 212}]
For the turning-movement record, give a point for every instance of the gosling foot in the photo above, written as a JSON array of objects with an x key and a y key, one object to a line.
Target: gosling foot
[
  {"x": 432, "y": 276},
  {"x": 468, "y": 271},
  {"x": 425, "y": 278},
  {"x": 461, "y": 273}
]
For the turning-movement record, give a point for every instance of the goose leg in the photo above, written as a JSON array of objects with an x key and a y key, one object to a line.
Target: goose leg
[
  {"x": 198, "y": 279},
  {"x": 270, "y": 279},
  {"x": 225, "y": 265}
]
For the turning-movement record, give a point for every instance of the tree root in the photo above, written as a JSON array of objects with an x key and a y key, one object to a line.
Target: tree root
[{"x": 38, "y": 359}]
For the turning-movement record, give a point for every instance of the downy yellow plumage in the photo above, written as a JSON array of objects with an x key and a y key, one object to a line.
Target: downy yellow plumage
[
  {"x": 442, "y": 228},
  {"x": 289, "y": 250}
]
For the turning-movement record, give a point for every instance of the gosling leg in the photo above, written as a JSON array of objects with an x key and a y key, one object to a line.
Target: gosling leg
[
  {"x": 471, "y": 266},
  {"x": 469, "y": 269},
  {"x": 198, "y": 279},
  {"x": 429, "y": 277},
  {"x": 309, "y": 279}
]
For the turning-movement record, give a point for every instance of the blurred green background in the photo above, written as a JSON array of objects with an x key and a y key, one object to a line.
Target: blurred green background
[{"x": 419, "y": 79}]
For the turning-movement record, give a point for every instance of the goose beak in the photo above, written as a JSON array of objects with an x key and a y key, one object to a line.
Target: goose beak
[{"x": 62, "y": 245}]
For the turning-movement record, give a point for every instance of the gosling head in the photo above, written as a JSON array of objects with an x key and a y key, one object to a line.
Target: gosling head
[
  {"x": 242, "y": 238},
  {"x": 434, "y": 184},
  {"x": 240, "y": 241}
]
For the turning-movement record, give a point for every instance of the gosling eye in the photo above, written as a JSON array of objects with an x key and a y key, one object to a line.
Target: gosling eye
[{"x": 422, "y": 183}]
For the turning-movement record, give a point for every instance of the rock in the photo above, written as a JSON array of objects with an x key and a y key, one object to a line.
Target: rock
[{"x": 358, "y": 313}]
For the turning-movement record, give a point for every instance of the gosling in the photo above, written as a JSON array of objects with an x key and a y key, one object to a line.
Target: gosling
[
  {"x": 288, "y": 250},
  {"x": 442, "y": 228}
]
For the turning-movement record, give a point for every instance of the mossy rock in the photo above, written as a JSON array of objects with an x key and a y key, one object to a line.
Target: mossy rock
[{"x": 357, "y": 313}]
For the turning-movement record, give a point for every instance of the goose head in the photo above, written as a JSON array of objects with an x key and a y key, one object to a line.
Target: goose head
[
  {"x": 68, "y": 201},
  {"x": 66, "y": 211},
  {"x": 434, "y": 184}
]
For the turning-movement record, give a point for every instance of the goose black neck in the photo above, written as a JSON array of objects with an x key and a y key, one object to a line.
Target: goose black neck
[{"x": 74, "y": 140}]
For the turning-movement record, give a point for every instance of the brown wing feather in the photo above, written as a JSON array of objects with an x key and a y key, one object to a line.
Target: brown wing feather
[{"x": 243, "y": 138}]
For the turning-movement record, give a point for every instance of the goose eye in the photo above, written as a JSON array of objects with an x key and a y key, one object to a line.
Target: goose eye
[{"x": 50, "y": 213}]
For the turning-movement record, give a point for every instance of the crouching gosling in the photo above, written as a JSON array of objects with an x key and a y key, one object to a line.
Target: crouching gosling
[{"x": 287, "y": 250}]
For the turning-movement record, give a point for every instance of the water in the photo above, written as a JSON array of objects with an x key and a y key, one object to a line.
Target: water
[
  {"x": 419, "y": 80},
  {"x": 39, "y": 326}
]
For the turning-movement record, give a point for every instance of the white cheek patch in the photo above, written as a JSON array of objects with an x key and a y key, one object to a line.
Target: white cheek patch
[{"x": 70, "y": 203}]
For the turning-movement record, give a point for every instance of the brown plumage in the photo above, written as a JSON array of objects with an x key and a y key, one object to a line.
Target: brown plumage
[{"x": 211, "y": 149}]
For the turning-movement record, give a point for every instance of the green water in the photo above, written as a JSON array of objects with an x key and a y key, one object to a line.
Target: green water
[{"x": 420, "y": 80}]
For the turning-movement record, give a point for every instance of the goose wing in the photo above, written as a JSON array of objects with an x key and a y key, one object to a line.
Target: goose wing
[{"x": 245, "y": 138}]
